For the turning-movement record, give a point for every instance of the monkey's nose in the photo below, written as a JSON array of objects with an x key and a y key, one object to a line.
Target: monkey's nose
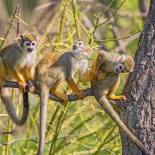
[
  {"x": 75, "y": 47},
  {"x": 29, "y": 49}
]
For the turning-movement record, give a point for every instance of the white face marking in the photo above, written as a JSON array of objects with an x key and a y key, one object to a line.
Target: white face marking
[
  {"x": 79, "y": 45},
  {"x": 80, "y": 49},
  {"x": 119, "y": 68},
  {"x": 29, "y": 46}
]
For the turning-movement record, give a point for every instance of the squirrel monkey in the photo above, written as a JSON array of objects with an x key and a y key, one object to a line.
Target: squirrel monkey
[
  {"x": 116, "y": 63},
  {"x": 51, "y": 71},
  {"x": 111, "y": 65},
  {"x": 107, "y": 63},
  {"x": 17, "y": 62}
]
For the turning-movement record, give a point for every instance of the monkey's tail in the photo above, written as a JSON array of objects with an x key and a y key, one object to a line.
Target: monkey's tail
[
  {"x": 44, "y": 95},
  {"x": 113, "y": 114},
  {"x": 6, "y": 99}
]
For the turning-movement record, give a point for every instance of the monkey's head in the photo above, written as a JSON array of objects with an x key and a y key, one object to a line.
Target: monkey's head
[
  {"x": 80, "y": 49},
  {"x": 114, "y": 62},
  {"x": 28, "y": 42},
  {"x": 125, "y": 64}
]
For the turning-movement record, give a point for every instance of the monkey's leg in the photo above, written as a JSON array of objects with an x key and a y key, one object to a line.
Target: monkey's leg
[
  {"x": 112, "y": 90},
  {"x": 28, "y": 74},
  {"x": 75, "y": 88},
  {"x": 29, "y": 77},
  {"x": 56, "y": 91},
  {"x": 95, "y": 66},
  {"x": 19, "y": 77},
  {"x": 88, "y": 76}
]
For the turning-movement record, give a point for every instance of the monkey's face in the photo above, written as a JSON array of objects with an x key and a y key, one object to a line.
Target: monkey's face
[
  {"x": 119, "y": 68},
  {"x": 79, "y": 48},
  {"x": 29, "y": 42},
  {"x": 125, "y": 65},
  {"x": 29, "y": 46}
]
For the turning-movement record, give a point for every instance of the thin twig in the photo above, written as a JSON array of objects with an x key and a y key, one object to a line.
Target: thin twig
[
  {"x": 114, "y": 13},
  {"x": 98, "y": 20},
  {"x": 18, "y": 22},
  {"x": 21, "y": 20},
  {"x": 7, "y": 132},
  {"x": 115, "y": 39},
  {"x": 78, "y": 22},
  {"x": 9, "y": 27},
  {"x": 74, "y": 13}
]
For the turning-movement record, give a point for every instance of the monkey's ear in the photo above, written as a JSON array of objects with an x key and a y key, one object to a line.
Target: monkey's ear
[
  {"x": 121, "y": 58},
  {"x": 21, "y": 38},
  {"x": 102, "y": 52},
  {"x": 37, "y": 39}
]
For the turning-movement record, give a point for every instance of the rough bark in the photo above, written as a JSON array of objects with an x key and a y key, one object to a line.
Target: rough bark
[{"x": 140, "y": 90}]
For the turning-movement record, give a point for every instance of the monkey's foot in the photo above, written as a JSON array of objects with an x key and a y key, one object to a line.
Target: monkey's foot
[
  {"x": 30, "y": 83},
  {"x": 30, "y": 86},
  {"x": 81, "y": 95},
  {"x": 120, "y": 97},
  {"x": 22, "y": 86},
  {"x": 62, "y": 96}
]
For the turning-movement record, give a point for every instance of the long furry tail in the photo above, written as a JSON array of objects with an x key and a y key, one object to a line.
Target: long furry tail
[
  {"x": 6, "y": 99},
  {"x": 44, "y": 94},
  {"x": 113, "y": 114}
]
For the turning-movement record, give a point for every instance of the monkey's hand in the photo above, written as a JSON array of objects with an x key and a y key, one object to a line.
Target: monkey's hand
[
  {"x": 22, "y": 86},
  {"x": 114, "y": 97},
  {"x": 123, "y": 97},
  {"x": 30, "y": 86},
  {"x": 80, "y": 94}
]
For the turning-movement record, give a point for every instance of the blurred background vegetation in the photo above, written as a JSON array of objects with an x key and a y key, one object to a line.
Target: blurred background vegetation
[{"x": 81, "y": 127}]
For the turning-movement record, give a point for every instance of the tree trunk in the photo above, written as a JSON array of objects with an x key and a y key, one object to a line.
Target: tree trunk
[{"x": 139, "y": 113}]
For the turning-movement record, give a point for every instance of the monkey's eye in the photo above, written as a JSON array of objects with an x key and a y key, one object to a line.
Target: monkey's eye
[
  {"x": 80, "y": 43},
  {"x": 121, "y": 67},
  {"x": 34, "y": 43},
  {"x": 27, "y": 43}
]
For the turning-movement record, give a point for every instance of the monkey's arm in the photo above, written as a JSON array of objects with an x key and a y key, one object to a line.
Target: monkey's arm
[
  {"x": 96, "y": 63},
  {"x": 111, "y": 93},
  {"x": 28, "y": 74},
  {"x": 71, "y": 69},
  {"x": 19, "y": 77},
  {"x": 93, "y": 72},
  {"x": 88, "y": 76},
  {"x": 75, "y": 88}
]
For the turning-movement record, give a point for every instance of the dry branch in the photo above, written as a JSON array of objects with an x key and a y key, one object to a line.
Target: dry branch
[{"x": 72, "y": 97}]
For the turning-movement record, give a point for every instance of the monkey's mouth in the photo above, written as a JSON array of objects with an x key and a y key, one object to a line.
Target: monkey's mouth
[
  {"x": 75, "y": 47},
  {"x": 30, "y": 49}
]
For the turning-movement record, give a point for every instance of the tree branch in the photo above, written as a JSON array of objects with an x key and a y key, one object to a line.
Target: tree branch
[{"x": 72, "y": 97}]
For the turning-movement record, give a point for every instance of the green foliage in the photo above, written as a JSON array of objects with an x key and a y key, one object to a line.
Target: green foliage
[{"x": 80, "y": 127}]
